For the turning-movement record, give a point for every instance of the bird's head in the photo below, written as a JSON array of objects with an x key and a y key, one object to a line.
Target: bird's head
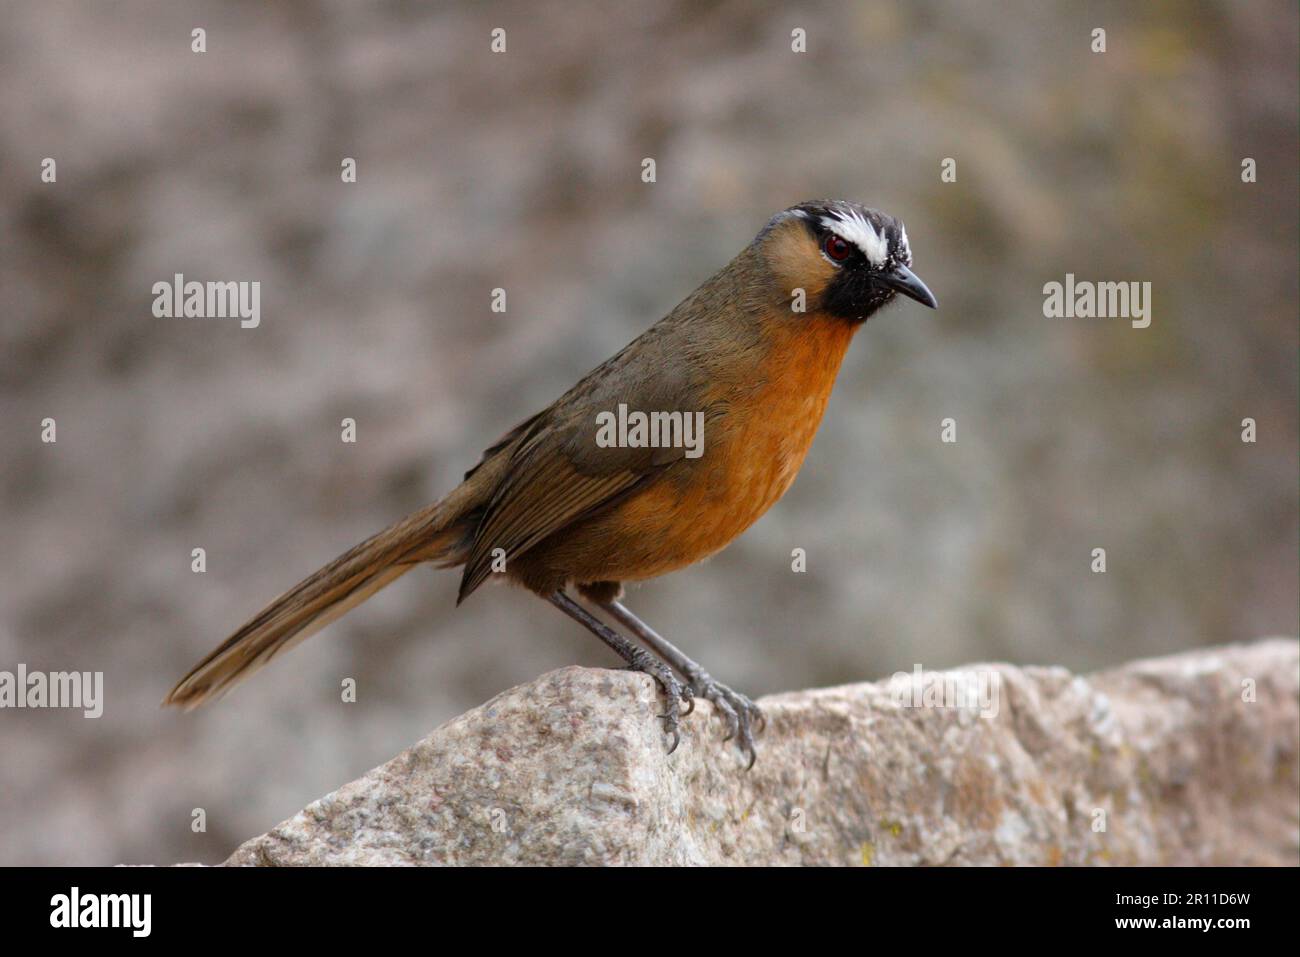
[{"x": 848, "y": 260}]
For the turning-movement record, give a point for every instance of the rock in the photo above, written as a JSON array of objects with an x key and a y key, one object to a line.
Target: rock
[{"x": 1185, "y": 760}]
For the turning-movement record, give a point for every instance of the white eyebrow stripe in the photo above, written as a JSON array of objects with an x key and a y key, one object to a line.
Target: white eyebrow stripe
[{"x": 861, "y": 233}]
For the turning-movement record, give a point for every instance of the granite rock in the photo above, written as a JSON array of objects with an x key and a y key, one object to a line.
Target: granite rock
[{"x": 1184, "y": 760}]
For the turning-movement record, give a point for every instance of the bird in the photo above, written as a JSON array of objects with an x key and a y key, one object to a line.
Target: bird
[{"x": 558, "y": 508}]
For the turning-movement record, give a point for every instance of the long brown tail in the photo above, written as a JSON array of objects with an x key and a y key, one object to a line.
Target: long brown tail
[{"x": 436, "y": 534}]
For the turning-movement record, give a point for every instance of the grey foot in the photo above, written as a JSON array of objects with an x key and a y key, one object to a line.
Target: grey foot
[
  {"x": 738, "y": 711},
  {"x": 671, "y": 688}
]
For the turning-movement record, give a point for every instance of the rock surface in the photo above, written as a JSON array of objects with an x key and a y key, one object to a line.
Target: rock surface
[{"x": 1185, "y": 760}]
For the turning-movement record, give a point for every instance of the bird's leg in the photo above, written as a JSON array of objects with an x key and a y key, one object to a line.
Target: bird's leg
[
  {"x": 635, "y": 656},
  {"x": 737, "y": 710}
]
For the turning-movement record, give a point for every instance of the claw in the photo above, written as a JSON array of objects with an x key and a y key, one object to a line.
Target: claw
[
  {"x": 729, "y": 715},
  {"x": 671, "y": 689},
  {"x": 747, "y": 744},
  {"x": 740, "y": 714}
]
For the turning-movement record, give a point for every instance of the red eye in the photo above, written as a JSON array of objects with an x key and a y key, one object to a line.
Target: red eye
[{"x": 836, "y": 248}]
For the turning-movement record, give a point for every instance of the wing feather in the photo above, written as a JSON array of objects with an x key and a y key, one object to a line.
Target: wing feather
[{"x": 542, "y": 495}]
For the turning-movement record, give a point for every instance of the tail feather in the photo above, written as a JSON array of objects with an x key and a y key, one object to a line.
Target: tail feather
[{"x": 436, "y": 534}]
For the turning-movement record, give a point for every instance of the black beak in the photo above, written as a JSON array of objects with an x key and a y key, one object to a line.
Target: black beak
[{"x": 909, "y": 284}]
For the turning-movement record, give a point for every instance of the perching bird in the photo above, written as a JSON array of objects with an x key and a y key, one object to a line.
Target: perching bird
[{"x": 551, "y": 506}]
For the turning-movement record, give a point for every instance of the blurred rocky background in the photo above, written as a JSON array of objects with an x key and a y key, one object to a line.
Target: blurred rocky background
[{"x": 522, "y": 170}]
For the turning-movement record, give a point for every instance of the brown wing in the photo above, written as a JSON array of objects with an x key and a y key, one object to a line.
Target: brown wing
[
  {"x": 545, "y": 491},
  {"x": 505, "y": 440},
  {"x": 558, "y": 474}
]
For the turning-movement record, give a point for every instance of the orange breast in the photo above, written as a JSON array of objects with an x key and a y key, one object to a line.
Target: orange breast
[{"x": 751, "y": 457}]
